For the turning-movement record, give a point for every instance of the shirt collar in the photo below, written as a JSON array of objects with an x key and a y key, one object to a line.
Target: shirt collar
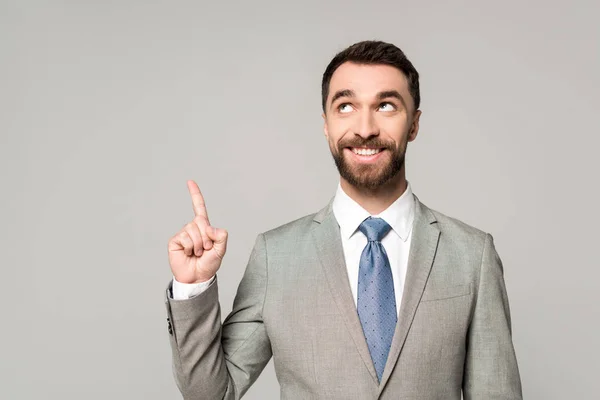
[{"x": 349, "y": 214}]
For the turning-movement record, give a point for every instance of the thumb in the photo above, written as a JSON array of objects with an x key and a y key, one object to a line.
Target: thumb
[{"x": 217, "y": 235}]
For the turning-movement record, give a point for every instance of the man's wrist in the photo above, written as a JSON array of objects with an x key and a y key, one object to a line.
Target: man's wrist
[{"x": 183, "y": 291}]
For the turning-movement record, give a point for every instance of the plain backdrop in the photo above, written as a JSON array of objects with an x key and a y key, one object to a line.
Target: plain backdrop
[{"x": 108, "y": 107}]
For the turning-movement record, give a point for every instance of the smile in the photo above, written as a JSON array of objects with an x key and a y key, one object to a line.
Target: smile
[
  {"x": 365, "y": 152},
  {"x": 365, "y": 155}
]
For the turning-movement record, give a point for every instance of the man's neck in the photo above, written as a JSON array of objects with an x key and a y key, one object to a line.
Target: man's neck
[{"x": 378, "y": 200}]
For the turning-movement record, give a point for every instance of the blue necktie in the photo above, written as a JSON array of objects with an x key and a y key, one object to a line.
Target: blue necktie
[{"x": 376, "y": 302}]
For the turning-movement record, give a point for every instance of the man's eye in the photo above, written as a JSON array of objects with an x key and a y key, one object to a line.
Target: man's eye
[
  {"x": 387, "y": 106},
  {"x": 344, "y": 108}
]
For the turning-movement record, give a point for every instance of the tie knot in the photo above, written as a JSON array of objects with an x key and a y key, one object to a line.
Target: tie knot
[{"x": 374, "y": 229}]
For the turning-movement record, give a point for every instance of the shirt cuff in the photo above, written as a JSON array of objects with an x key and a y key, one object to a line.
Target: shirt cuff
[{"x": 183, "y": 291}]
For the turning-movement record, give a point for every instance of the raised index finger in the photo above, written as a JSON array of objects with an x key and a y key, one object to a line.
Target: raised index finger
[{"x": 197, "y": 200}]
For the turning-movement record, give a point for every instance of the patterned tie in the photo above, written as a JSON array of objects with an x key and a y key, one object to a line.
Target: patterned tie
[{"x": 376, "y": 301}]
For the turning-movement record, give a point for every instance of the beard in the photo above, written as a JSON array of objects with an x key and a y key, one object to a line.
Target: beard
[{"x": 369, "y": 176}]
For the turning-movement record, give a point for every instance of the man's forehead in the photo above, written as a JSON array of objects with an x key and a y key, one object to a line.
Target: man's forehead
[{"x": 368, "y": 79}]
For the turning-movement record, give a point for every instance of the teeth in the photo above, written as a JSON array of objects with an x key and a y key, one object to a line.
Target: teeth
[{"x": 366, "y": 152}]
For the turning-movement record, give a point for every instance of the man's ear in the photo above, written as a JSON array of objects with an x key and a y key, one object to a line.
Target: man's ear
[
  {"x": 414, "y": 128},
  {"x": 325, "y": 130}
]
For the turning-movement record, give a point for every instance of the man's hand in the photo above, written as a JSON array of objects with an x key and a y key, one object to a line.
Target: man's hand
[{"x": 197, "y": 250}]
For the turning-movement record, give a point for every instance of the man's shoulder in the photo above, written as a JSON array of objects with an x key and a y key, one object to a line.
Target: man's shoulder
[
  {"x": 457, "y": 230},
  {"x": 291, "y": 230},
  {"x": 447, "y": 222},
  {"x": 299, "y": 229}
]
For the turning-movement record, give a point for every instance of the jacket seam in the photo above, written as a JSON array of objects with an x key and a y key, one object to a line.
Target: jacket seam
[
  {"x": 485, "y": 244},
  {"x": 262, "y": 310}
]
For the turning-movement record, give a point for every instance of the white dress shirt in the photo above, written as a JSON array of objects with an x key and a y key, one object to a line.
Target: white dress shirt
[
  {"x": 349, "y": 215},
  {"x": 399, "y": 215}
]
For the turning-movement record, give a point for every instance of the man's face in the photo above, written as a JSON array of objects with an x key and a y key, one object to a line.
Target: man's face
[{"x": 369, "y": 107}]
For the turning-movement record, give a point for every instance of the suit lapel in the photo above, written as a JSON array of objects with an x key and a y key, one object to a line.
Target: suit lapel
[
  {"x": 423, "y": 247},
  {"x": 328, "y": 242}
]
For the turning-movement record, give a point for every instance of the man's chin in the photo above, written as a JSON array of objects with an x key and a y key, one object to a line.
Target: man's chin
[
  {"x": 368, "y": 178},
  {"x": 364, "y": 181},
  {"x": 358, "y": 170}
]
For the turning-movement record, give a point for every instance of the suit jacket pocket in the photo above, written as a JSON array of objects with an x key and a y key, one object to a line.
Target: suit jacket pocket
[{"x": 448, "y": 292}]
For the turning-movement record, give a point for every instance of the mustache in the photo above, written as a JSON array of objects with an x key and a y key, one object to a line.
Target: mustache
[{"x": 368, "y": 143}]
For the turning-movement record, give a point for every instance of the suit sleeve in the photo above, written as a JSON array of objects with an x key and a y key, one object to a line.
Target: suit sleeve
[
  {"x": 221, "y": 361},
  {"x": 491, "y": 371}
]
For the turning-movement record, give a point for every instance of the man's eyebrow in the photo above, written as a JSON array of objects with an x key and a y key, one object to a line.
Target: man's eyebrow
[
  {"x": 391, "y": 93},
  {"x": 342, "y": 93},
  {"x": 380, "y": 96}
]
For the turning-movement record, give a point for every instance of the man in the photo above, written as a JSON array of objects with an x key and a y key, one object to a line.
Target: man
[{"x": 375, "y": 296}]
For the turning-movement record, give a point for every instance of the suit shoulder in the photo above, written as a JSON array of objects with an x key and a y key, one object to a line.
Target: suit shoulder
[
  {"x": 291, "y": 229},
  {"x": 459, "y": 231}
]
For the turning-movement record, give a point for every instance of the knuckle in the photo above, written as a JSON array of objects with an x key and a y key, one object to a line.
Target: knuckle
[{"x": 185, "y": 238}]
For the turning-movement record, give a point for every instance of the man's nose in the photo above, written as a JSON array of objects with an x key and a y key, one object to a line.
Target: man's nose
[{"x": 366, "y": 125}]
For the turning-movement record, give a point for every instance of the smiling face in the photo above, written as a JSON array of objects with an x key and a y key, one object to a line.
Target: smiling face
[{"x": 369, "y": 111}]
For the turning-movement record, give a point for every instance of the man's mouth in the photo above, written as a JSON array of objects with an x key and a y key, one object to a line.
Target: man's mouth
[
  {"x": 365, "y": 151},
  {"x": 364, "y": 154}
]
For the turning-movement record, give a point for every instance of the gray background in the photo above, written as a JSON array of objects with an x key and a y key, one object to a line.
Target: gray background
[{"x": 108, "y": 107}]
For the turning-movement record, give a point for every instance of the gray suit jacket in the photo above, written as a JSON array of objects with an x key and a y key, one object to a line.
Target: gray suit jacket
[{"x": 295, "y": 303}]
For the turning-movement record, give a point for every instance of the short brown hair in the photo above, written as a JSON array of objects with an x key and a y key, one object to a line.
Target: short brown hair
[{"x": 373, "y": 52}]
